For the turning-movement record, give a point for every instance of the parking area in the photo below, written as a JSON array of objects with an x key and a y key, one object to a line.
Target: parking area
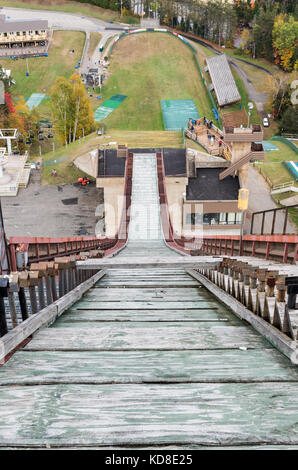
[{"x": 52, "y": 211}]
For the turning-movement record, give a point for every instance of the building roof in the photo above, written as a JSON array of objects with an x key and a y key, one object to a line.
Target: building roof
[
  {"x": 174, "y": 162},
  {"x": 111, "y": 165},
  {"x": 223, "y": 81},
  {"x": 7, "y": 26},
  {"x": 207, "y": 186}
]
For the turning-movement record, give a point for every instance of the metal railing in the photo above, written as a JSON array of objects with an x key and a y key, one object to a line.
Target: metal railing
[
  {"x": 46, "y": 249},
  {"x": 282, "y": 248},
  {"x": 26, "y": 293},
  {"x": 267, "y": 213}
]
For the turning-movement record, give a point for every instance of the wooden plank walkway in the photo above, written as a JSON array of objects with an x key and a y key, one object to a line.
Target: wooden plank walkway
[
  {"x": 148, "y": 358},
  {"x": 148, "y": 376}
]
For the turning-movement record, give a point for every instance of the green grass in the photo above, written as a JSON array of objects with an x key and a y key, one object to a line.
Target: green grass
[
  {"x": 65, "y": 6},
  {"x": 293, "y": 212},
  {"x": 294, "y": 215},
  {"x": 285, "y": 153},
  {"x": 68, "y": 173},
  {"x": 254, "y": 75},
  {"x": 44, "y": 70},
  {"x": 273, "y": 166},
  {"x": 238, "y": 54},
  {"x": 148, "y": 68}
]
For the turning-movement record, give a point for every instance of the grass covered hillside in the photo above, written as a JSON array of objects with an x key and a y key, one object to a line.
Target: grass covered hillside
[{"x": 149, "y": 68}]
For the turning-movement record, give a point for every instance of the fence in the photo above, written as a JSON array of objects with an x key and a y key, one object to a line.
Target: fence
[
  {"x": 45, "y": 249},
  {"x": 274, "y": 211},
  {"x": 281, "y": 248}
]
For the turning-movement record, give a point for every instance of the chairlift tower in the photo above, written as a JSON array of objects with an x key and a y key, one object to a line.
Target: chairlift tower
[{"x": 8, "y": 135}]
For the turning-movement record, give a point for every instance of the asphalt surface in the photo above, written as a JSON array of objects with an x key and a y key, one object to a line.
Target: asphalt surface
[
  {"x": 260, "y": 200},
  {"x": 58, "y": 19},
  {"x": 52, "y": 211}
]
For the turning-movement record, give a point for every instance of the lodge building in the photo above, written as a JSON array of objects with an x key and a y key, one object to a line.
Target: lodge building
[{"x": 23, "y": 37}]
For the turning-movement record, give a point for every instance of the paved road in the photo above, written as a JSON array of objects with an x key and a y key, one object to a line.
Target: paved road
[
  {"x": 70, "y": 21},
  {"x": 260, "y": 199},
  {"x": 52, "y": 211},
  {"x": 58, "y": 19},
  {"x": 260, "y": 99}
]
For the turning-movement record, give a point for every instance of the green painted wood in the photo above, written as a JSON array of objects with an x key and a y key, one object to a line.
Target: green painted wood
[
  {"x": 54, "y": 367},
  {"x": 206, "y": 414},
  {"x": 146, "y": 335}
]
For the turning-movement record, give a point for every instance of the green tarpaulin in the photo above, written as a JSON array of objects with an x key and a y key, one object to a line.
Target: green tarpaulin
[
  {"x": 108, "y": 107},
  {"x": 176, "y": 113}
]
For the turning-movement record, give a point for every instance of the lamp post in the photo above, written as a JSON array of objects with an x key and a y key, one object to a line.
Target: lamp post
[
  {"x": 243, "y": 196},
  {"x": 250, "y": 108}
]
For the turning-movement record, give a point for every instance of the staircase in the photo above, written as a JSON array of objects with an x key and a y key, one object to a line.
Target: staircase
[
  {"x": 256, "y": 153},
  {"x": 148, "y": 358}
]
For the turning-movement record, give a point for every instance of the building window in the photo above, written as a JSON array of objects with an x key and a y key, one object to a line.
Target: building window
[
  {"x": 5, "y": 35},
  {"x": 194, "y": 219},
  {"x": 211, "y": 218},
  {"x": 216, "y": 218},
  {"x": 36, "y": 32}
]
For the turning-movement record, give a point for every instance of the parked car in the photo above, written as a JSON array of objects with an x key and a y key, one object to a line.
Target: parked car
[{"x": 265, "y": 122}]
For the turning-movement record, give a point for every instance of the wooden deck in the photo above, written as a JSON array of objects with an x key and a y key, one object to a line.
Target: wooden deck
[
  {"x": 145, "y": 367},
  {"x": 148, "y": 358}
]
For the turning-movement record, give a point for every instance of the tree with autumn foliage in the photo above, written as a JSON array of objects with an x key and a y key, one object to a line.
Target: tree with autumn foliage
[
  {"x": 285, "y": 42},
  {"x": 71, "y": 109}
]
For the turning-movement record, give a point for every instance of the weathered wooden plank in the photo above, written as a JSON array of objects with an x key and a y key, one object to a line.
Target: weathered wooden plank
[
  {"x": 164, "y": 293},
  {"x": 148, "y": 305},
  {"x": 152, "y": 261},
  {"x": 206, "y": 414},
  {"x": 130, "y": 335},
  {"x": 149, "y": 315},
  {"x": 147, "y": 366},
  {"x": 153, "y": 283}
]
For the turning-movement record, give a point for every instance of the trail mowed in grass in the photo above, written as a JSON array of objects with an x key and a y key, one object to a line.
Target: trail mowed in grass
[
  {"x": 148, "y": 68},
  {"x": 44, "y": 70}
]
